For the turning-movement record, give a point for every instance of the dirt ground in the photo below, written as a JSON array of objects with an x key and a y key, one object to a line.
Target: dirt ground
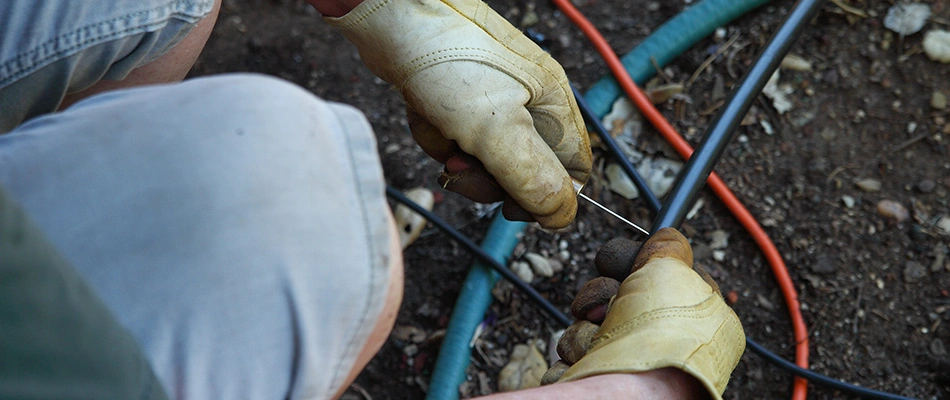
[{"x": 875, "y": 291}]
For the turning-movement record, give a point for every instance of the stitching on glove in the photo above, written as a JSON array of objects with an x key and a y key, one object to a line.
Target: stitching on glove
[
  {"x": 489, "y": 58},
  {"x": 702, "y": 310},
  {"x": 348, "y": 21}
]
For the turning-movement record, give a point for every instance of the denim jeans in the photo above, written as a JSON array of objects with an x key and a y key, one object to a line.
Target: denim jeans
[{"x": 236, "y": 226}]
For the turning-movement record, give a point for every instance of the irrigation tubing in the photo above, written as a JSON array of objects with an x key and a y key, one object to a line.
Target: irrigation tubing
[
  {"x": 787, "y": 33},
  {"x": 690, "y": 181},
  {"x": 564, "y": 320},
  {"x": 820, "y": 379},
  {"x": 532, "y": 294}
]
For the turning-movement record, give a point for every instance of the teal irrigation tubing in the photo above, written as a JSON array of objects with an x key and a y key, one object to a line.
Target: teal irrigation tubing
[
  {"x": 666, "y": 43},
  {"x": 473, "y": 301}
]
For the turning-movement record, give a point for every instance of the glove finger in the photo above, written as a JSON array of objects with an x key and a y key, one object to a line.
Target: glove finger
[
  {"x": 571, "y": 144},
  {"x": 463, "y": 174},
  {"x": 615, "y": 258},
  {"x": 575, "y": 342},
  {"x": 554, "y": 373},
  {"x": 591, "y": 301},
  {"x": 487, "y": 118},
  {"x": 430, "y": 138},
  {"x": 666, "y": 242}
]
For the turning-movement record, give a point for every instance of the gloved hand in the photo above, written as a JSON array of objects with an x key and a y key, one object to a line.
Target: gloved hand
[
  {"x": 667, "y": 313},
  {"x": 476, "y": 86}
]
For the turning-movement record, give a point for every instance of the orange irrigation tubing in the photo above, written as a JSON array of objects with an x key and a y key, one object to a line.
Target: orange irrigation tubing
[{"x": 719, "y": 187}]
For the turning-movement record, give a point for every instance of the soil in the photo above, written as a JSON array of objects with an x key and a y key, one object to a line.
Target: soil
[{"x": 875, "y": 291}]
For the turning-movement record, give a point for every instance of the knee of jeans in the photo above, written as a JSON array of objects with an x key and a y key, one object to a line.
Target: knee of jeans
[{"x": 258, "y": 88}]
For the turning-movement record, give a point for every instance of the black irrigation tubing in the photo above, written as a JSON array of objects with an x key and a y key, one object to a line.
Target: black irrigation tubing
[
  {"x": 820, "y": 379},
  {"x": 615, "y": 151},
  {"x": 549, "y": 308},
  {"x": 692, "y": 178}
]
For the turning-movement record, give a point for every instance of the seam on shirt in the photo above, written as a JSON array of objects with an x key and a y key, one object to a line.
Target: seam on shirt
[
  {"x": 372, "y": 247},
  {"x": 39, "y": 56}
]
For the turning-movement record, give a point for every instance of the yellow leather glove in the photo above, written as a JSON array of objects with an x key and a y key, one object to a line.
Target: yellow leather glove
[
  {"x": 665, "y": 314},
  {"x": 476, "y": 86}
]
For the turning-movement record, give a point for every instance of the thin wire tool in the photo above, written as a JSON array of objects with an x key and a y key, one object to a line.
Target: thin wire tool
[{"x": 577, "y": 188}]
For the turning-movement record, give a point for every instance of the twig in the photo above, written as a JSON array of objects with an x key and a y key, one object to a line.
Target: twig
[
  {"x": 731, "y": 57},
  {"x": 722, "y": 49},
  {"x": 850, "y": 9},
  {"x": 659, "y": 71},
  {"x": 909, "y": 142}
]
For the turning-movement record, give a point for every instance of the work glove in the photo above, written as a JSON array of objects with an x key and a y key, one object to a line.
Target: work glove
[
  {"x": 482, "y": 99},
  {"x": 666, "y": 313}
]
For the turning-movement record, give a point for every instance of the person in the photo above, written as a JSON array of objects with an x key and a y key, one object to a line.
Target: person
[{"x": 229, "y": 237}]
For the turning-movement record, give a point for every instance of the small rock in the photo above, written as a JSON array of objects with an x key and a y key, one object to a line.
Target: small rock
[
  {"x": 618, "y": 182},
  {"x": 914, "y": 271},
  {"x": 524, "y": 369},
  {"x": 409, "y": 333},
  {"x": 523, "y": 270},
  {"x": 795, "y": 62},
  {"x": 530, "y": 18},
  {"x": 719, "y": 255},
  {"x": 539, "y": 264},
  {"x": 824, "y": 265},
  {"x": 938, "y": 100},
  {"x": 718, "y": 239},
  {"x": 926, "y": 186},
  {"x": 778, "y": 93},
  {"x": 937, "y": 45},
  {"x": 868, "y": 185},
  {"x": 944, "y": 224},
  {"x": 937, "y": 265},
  {"x": 409, "y": 223},
  {"x": 907, "y": 19},
  {"x": 764, "y": 302},
  {"x": 937, "y": 348},
  {"x": 893, "y": 209},
  {"x": 848, "y": 201},
  {"x": 732, "y": 297}
]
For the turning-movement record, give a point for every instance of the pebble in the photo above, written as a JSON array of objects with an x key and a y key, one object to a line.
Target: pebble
[
  {"x": 926, "y": 186},
  {"x": 914, "y": 271},
  {"x": 893, "y": 209},
  {"x": 937, "y": 45},
  {"x": 409, "y": 333},
  {"x": 907, "y": 19},
  {"x": 868, "y": 185},
  {"x": 796, "y": 63},
  {"x": 540, "y": 265},
  {"x": 824, "y": 265},
  {"x": 938, "y": 100},
  {"x": 944, "y": 224},
  {"x": 848, "y": 201},
  {"x": 409, "y": 223},
  {"x": 524, "y": 369},
  {"x": 937, "y": 348},
  {"x": 523, "y": 270},
  {"x": 718, "y": 239},
  {"x": 719, "y": 255}
]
